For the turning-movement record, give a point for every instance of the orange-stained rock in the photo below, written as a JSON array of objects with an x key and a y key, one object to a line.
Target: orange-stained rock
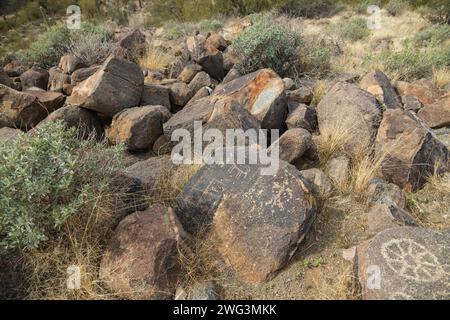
[
  {"x": 437, "y": 115},
  {"x": 378, "y": 84},
  {"x": 423, "y": 89}
]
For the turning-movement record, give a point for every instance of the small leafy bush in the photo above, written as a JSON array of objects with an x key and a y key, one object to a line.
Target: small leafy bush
[
  {"x": 49, "y": 176},
  {"x": 315, "y": 57},
  {"x": 91, "y": 47},
  {"x": 264, "y": 45},
  {"x": 352, "y": 29},
  {"x": 396, "y": 7}
]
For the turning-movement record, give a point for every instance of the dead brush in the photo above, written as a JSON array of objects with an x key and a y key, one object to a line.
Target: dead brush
[{"x": 154, "y": 59}]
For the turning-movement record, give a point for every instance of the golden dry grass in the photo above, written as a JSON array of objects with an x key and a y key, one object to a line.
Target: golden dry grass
[
  {"x": 441, "y": 77},
  {"x": 154, "y": 59}
]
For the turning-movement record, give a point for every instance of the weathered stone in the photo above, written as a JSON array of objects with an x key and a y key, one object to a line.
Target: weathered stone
[
  {"x": 411, "y": 103},
  {"x": 180, "y": 94},
  {"x": 231, "y": 75},
  {"x": 262, "y": 94},
  {"x": 257, "y": 220},
  {"x": 200, "y": 80},
  {"x": 162, "y": 145},
  {"x": 85, "y": 121},
  {"x": 133, "y": 41},
  {"x": 5, "y": 80},
  {"x": 382, "y": 192},
  {"x": 153, "y": 77},
  {"x": 338, "y": 169},
  {"x": 19, "y": 110},
  {"x": 318, "y": 181},
  {"x": 34, "y": 77},
  {"x": 293, "y": 144},
  {"x": 9, "y": 134},
  {"x": 404, "y": 263},
  {"x": 353, "y": 110},
  {"x": 82, "y": 74},
  {"x": 57, "y": 79},
  {"x": 189, "y": 72},
  {"x": 302, "y": 95},
  {"x": 303, "y": 117},
  {"x": 70, "y": 63},
  {"x": 215, "y": 42},
  {"x": 443, "y": 135},
  {"x": 207, "y": 290},
  {"x": 138, "y": 127},
  {"x": 423, "y": 89},
  {"x": 141, "y": 260},
  {"x": 437, "y": 115},
  {"x": 378, "y": 84},
  {"x": 409, "y": 150},
  {"x": 155, "y": 95},
  {"x": 68, "y": 89},
  {"x": 289, "y": 84},
  {"x": 212, "y": 64},
  {"x": 50, "y": 100},
  {"x": 14, "y": 68},
  {"x": 117, "y": 85},
  {"x": 383, "y": 216},
  {"x": 196, "y": 46},
  {"x": 202, "y": 93}
]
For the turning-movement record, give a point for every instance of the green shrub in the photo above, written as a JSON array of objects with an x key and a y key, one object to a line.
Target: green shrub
[
  {"x": 308, "y": 9},
  {"x": 265, "y": 45},
  {"x": 431, "y": 36},
  {"x": 47, "y": 177},
  {"x": 210, "y": 25},
  {"x": 315, "y": 58},
  {"x": 412, "y": 64},
  {"x": 396, "y": 7},
  {"x": 352, "y": 29},
  {"x": 89, "y": 8},
  {"x": 361, "y": 6}
]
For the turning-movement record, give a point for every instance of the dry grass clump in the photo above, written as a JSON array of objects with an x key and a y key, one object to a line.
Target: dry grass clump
[
  {"x": 154, "y": 59},
  {"x": 441, "y": 77}
]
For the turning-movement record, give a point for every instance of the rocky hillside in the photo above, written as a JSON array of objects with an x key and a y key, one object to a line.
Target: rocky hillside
[{"x": 358, "y": 208}]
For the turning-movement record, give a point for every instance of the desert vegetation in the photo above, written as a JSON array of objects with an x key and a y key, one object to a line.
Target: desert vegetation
[{"x": 88, "y": 178}]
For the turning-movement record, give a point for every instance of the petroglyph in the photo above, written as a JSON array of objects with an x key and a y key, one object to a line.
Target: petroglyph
[{"x": 411, "y": 260}]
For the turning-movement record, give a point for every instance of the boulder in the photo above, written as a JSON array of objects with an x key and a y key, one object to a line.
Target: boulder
[
  {"x": 82, "y": 74},
  {"x": 162, "y": 145},
  {"x": 262, "y": 94},
  {"x": 202, "y": 93},
  {"x": 303, "y": 95},
  {"x": 87, "y": 123},
  {"x": 437, "y": 115},
  {"x": 196, "y": 46},
  {"x": 180, "y": 94},
  {"x": 141, "y": 260},
  {"x": 9, "y": 134},
  {"x": 215, "y": 42},
  {"x": 318, "y": 181},
  {"x": 257, "y": 221},
  {"x": 155, "y": 95},
  {"x": 189, "y": 72},
  {"x": 425, "y": 90},
  {"x": 411, "y": 103},
  {"x": 19, "y": 110},
  {"x": 200, "y": 80},
  {"x": 231, "y": 75},
  {"x": 382, "y": 216},
  {"x": 212, "y": 64},
  {"x": 50, "y": 100},
  {"x": 70, "y": 63},
  {"x": 139, "y": 127},
  {"x": 378, "y": 84},
  {"x": 409, "y": 150},
  {"x": 100, "y": 91},
  {"x": 14, "y": 68},
  {"x": 289, "y": 84},
  {"x": 303, "y": 117},
  {"x": 132, "y": 42},
  {"x": 404, "y": 263},
  {"x": 34, "y": 77},
  {"x": 57, "y": 80},
  {"x": 347, "y": 107},
  {"x": 293, "y": 144},
  {"x": 382, "y": 192},
  {"x": 5, "y": 80}
]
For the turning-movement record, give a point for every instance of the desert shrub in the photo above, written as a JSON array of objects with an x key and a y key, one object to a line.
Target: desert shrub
[
  {"x": 436, "y": 11},
  {"x": 92, "y": 48},
  {"x": 29, "y": 12},
  {"x": 396, "y": 7},
  {"x": 315, "y": 57},
  {"x": 361, "y": 6},
  {"x": 308, "y": 9},
  {"x": 265, "y": 45},
  {"x": 431, "y": 36},
  {"x": 89, "y": 8},
  {"x": 411, "y": 64},
  {"x": 49, "y": 176},
  {"x": 352, "y": 29},
  {"x": 154, "y": 59}
]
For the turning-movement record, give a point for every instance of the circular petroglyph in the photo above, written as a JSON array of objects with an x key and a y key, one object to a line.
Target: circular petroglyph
[{"x": 411, "y": 260}]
